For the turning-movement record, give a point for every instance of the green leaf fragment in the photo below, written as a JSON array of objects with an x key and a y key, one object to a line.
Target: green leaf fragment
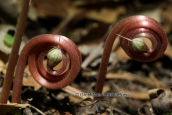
[
  {"x": 15, "y": 111},
  {"x": 167, "y": 113},
  {"x": 54, "y": 57},
  {"x": 8, "y": 40},
  {"x": 139, "y": 45}
]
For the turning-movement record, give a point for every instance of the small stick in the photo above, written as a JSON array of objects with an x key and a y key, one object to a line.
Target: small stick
[
  {"x": 125, "y": 38},
  {"x": 73, "y": 91},
  {"x": 59, "y": 42},
  {"x": 152, "y": 76},
  {"x": 39, "y": 111},
  {"x": 128, "y": 38},
  {"x": 62, "y": 25},
  {"x": 121, "y": 99},
  {"x": 92, "y": 56}
]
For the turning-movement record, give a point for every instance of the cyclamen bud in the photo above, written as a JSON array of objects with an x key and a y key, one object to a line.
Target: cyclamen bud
[
  {"x": 139, "y": 45},
  {"x": 54, "y": 57}
]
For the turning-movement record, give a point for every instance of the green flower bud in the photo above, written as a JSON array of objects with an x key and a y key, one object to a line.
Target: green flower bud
[
  {"x": 54, "y": 57},
  {"x": 139, "y": 45}
]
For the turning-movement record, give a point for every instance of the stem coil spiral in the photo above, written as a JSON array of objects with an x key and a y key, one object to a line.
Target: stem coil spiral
[
  {"x": 133, "y": 27},
  {"x": 35, "y": 50}
]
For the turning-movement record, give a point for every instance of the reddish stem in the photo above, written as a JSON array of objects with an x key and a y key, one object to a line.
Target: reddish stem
[
  {"x": 14, "y": 52},
  {"x": 132, "y": 27},
  {"x": 36, "y": 49}
]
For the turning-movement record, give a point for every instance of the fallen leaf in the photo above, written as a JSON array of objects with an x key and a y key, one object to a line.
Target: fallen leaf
[
  {"x": 15, "y": 111},
  {"x": 110, "y": 14},
  {"x": 121, "y": 54},
  {"x": 168, "y": 51},
  {"x": 52, "y": 7},
  {"x": 106, "y": 88},
  {"x": 2, "y": 65},
  {"x": 155, "y": 14},
  {"x": 28, "y": 80},
  {"x": 5, "y": 108}
]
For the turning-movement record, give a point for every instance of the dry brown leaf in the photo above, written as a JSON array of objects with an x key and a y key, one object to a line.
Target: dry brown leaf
[
  {"x": 153, "y": 13},
  {"x": 156, "y": 81},
  {"x": 75, "y": 92},
  {"x": 136, "y": 95},
  {"x": 106, "y": 88},
  {"x": 78, "y": 3},
  {"x": 121, "y": 54},
  {"x": 168, "y": 51},
  {"x": 5, "y": 69},
  {"x": 167, "y": 19},
  {"x": 166, "y": 11},
  {"x": 74, "y": 99},
  {"x": 131, "y": 77},
  {"x": 4, "y": 108},
  {"x": 55, "y": 68},
  {"x": 29, "y": 81},
  {"x": 52, "y": 7},
  {"x": 2, "y": 65},
  {"x": 110, "y": 14},
  {"x": 71, "y": 13}
]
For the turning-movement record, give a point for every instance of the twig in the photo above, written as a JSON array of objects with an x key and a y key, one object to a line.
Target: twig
[
  {"x": 62, "y": 25},
  {"x": 123, "y": 101},
  {"x": 136, "y": 95},
  {"x": 75, "y": 92},
  {"x": 72, "y": 12},
  {"x": 71, "y": 90},
  {"x": 92, "y": 56},
  {"x": 152, "y": 76},
  {"x": 131, "y": 77},
  {"x": 29, "y": 100},
  {"x": 37, "y": 109}
]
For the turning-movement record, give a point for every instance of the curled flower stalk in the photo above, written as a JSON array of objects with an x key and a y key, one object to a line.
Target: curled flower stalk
[
  {"x": 35, "y": 51},
  {"x": 133, "y": 27}
]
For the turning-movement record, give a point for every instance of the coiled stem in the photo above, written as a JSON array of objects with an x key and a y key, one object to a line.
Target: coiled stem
[
  {"x": 133, "y": 27},
  {"x": 36, "y": 49}
]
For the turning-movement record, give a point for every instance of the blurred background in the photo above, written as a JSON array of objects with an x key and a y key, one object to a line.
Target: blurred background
[{"x": 87, "y": 23}]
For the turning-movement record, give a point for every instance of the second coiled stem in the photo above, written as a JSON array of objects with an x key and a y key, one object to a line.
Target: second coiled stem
[{"x": 133, "y": 27}]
